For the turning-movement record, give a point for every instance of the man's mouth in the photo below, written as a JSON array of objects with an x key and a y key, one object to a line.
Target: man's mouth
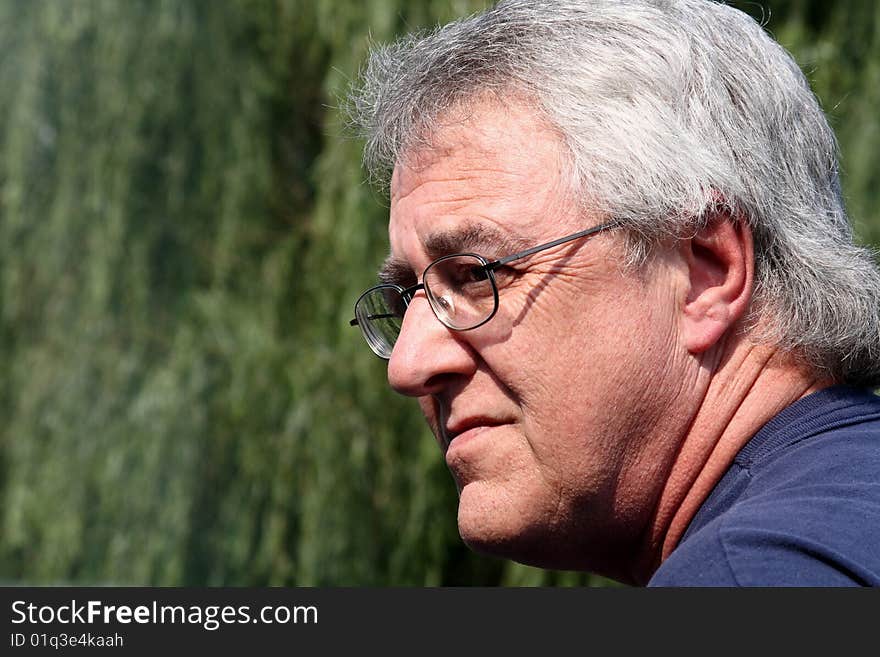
[{"x": 469, "y": 426}]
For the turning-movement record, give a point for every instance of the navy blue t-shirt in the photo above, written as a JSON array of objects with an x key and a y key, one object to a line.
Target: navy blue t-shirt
[{"x": 800, "y": 506}]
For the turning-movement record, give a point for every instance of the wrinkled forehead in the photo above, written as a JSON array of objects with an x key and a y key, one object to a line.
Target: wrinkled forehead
[
  {"x": 454, "y": 151},
  {"x": 493, "y": 170},
  {"x": 484, "y": 136}
]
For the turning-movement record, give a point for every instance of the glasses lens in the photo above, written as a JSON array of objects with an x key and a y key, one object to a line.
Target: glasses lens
[
  {"x": 380, "y": 315},
  {"x": 461, "y": 291}
]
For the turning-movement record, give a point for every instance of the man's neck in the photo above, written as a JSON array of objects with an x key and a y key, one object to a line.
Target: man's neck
[{"x": 747, "y": 388}]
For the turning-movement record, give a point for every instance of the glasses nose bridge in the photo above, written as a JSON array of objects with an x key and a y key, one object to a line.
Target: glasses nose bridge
[
  {"x": 408, "y": 293},
  {"x": 420, "y": 327}
]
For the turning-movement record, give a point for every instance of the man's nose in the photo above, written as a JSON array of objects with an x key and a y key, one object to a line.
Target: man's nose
[{"x": 427, "y": 353}]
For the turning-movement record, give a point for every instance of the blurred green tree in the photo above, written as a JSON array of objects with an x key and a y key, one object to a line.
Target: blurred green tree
[{"x": 184, "y": 228}]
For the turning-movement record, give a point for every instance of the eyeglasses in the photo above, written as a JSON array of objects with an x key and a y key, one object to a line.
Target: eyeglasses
[{"x": 461, "y": 290}]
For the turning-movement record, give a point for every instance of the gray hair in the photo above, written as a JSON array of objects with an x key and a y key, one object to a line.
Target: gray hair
[{"x": 670, "y": 111}]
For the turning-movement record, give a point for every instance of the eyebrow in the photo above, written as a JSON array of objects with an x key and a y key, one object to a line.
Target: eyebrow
[
  {"x": 470, "y": 238},
  {"x": 396, "y": 271},
  {"x": 485, "y": 240}
]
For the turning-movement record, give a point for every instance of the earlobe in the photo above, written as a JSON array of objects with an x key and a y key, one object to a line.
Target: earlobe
[{"x": 720, "y": 262}]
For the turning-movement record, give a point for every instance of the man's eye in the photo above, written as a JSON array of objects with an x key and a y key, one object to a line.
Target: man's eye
[
  {"x": 469, "y": 274},
  {"x": 444, "y": 303}
]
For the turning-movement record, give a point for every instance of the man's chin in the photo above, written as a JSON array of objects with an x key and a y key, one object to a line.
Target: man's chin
[
  {"x": 528, "y": 535},
  {"x": 501, "y": 530}
]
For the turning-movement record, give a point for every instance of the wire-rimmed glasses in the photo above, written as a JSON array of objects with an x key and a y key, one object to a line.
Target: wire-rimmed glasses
[{"x": 461, "y": 290}]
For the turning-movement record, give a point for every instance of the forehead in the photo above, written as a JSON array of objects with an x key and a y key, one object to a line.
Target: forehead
[{"x": 491, "y": 171}]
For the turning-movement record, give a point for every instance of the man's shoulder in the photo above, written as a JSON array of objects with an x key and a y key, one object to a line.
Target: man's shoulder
[
  {"x": 806, "y": 513},
  {"x": 839, "y": 419},
  {"x": 818, "y": 535},
  {"x": 830, "y": 455}
]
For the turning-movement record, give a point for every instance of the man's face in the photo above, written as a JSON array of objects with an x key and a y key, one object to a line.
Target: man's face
[{"x": 553, "y": 416}]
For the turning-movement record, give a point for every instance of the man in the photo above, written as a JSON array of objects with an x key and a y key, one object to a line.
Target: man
[{"x": 623, "y": 288}]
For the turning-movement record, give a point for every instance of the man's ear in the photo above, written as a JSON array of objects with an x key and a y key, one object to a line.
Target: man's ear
[{"x": 721, "y": 263}]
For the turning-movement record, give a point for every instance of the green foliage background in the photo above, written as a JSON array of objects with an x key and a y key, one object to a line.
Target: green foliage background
[{"x": 183, "y": 231}]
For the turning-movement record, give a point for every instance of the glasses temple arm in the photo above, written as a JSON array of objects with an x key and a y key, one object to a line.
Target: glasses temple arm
[
  {"x": 355, "y": 322},
  {"x": 548, "y": 245}
]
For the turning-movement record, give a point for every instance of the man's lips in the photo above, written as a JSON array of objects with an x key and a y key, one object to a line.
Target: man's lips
[{"x": 455, "y": 428}]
